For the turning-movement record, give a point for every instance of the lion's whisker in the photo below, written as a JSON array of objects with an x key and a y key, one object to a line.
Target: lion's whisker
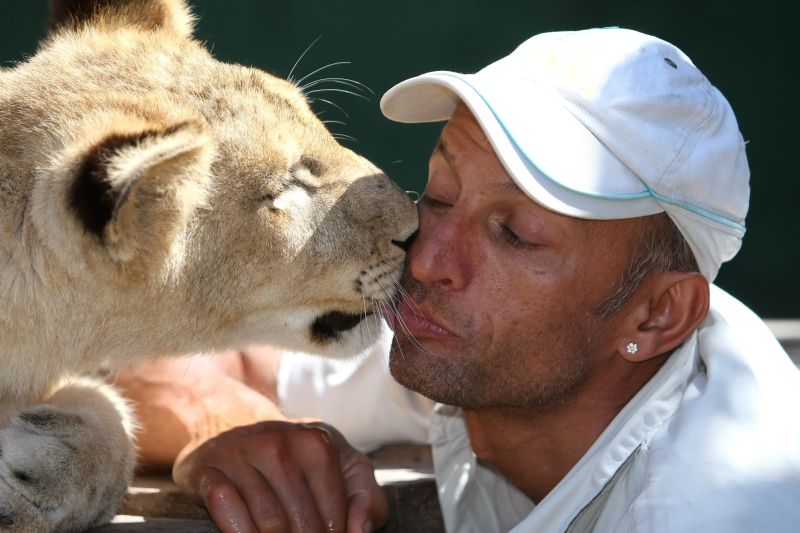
[
  {"x": 320, "y": 69},
  {"x": 344, "y": 137},
  {"x": 366, "y": 322},
  {"x": 323, "y": 100},
  {"x": 289, "y": 77},
  {"x": 341, "y": 81},
  {"x": 335, "y": 90},
  {"x": 406, "y": 330},
  {"x": 403, "y": 294}
]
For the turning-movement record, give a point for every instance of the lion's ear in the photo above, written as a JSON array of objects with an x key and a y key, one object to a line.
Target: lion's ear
[
  {"x": 171, "y": 15},
  {"x": 135, "y": 191}
]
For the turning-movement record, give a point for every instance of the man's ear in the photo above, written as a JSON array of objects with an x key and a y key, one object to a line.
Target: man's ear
[
  {"x": 173, "y": 16},
  {"x": 135, "y": 190},
  {"x": 666, "y": 309}
]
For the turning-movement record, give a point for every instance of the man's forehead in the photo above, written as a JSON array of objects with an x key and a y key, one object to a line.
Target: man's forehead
[
  {"x": 504, "y": 187},
  {"x": 462, "y": 120}
]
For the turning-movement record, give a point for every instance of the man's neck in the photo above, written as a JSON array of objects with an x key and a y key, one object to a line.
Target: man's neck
[{"x": 534, "y": 448}]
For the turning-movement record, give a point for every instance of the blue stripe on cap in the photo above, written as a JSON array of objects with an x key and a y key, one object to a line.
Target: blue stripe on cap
[
  {"x": 603, "y": 196},
  {"x": 698, "y": 210}
]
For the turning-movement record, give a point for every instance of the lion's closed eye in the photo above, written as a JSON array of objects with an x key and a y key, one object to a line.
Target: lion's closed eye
[
  {"x": 300, "y": 183},
  {"x": 294, "y": 197},
  {"x": 294, "y": 194}
]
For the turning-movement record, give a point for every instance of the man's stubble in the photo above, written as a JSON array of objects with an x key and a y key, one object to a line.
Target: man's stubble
[{"x": 538, "y": 368}]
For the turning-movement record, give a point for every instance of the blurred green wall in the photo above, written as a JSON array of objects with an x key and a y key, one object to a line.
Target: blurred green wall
[{"x": 748, "y": 49}]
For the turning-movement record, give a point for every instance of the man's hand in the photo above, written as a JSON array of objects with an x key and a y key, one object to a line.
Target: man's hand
[{"x": 282, "y": 476}]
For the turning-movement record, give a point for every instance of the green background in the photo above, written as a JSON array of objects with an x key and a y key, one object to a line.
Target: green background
[{"x": 749, "y": 50}]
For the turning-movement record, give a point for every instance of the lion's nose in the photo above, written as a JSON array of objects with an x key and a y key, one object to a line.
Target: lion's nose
[{"x": 406, "y": 244}]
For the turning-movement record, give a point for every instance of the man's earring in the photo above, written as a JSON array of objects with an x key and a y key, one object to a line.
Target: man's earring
[{"x": 633, "y": 348}]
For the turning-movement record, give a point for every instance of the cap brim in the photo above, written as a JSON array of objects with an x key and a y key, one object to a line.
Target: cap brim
[{"x": 548, "y": 153}]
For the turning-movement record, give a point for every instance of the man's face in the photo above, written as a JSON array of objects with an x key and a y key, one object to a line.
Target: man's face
[{"x": 501, "y": 289}]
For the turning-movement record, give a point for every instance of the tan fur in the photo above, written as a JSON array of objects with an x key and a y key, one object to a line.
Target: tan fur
[{"x": 228, "y": 216}]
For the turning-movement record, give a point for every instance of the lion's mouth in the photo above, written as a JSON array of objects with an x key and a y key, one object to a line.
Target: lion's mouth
[{"x": 332, "y": 324}]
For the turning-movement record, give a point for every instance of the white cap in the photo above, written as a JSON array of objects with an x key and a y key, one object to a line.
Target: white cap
[{"x": 604, "y": 124}]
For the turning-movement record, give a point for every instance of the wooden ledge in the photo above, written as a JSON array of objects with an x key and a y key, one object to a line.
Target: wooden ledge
[{"x": 405, "y": 472}]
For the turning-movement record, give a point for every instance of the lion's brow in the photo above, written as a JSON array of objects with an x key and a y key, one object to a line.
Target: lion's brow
[{"x": 297, "y": 182}]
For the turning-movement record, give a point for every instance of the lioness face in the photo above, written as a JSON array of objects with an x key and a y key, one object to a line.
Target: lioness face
[
  {"x": 197, "y": 203},
  {"x": 306, "y": 234}
]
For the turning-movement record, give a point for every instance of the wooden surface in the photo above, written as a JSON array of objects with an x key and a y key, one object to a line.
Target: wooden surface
[
  {"x": 155, "y": 504},
  {"x": 139, "y": 524}
]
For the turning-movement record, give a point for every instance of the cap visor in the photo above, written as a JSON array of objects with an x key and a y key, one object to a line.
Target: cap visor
[{"x": 548, "y": 153}]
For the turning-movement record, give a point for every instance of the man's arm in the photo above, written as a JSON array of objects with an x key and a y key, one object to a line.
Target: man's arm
[
  {"x": 267, "y": 473},
  {"x": 185, "y": 401}
]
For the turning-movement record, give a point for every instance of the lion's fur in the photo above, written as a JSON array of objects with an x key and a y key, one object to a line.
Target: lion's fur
[{"x": 155, "y": 201}]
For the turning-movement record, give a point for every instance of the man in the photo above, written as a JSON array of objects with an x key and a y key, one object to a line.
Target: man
[{"x": 582, "y": 196}]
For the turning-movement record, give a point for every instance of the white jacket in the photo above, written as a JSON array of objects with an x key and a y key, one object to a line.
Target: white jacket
[{"x": 710, "y": 444}]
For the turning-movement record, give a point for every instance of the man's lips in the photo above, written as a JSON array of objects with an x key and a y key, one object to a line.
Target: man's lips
[{"x": 419, "y": 324}]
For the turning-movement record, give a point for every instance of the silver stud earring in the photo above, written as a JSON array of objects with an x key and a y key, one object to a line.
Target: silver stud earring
[{"x": 633, "y": 347}]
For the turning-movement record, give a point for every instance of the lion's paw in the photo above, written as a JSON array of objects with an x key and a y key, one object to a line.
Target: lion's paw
[{"x": 58, "y": 472}]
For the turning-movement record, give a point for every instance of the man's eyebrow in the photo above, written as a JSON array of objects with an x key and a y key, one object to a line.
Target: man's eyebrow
[
  {"x": 441, "y": 149},
  {"x": 507, "y": 187}
]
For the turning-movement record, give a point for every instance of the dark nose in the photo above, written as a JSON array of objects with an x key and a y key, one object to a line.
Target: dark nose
[{"x": 406, "y": 244}]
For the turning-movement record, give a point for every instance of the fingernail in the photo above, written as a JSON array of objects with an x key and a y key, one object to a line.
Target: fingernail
[{"x": 368, "y": 527}]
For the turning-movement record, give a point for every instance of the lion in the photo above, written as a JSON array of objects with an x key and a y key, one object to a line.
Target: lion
[{"x": 155, "y": 201}]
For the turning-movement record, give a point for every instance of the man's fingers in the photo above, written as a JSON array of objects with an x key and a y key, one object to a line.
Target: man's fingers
[
  {"x": 284, "y": 477},
  {"x": 368, "y": 509},
  {"x": 266, "y": 509},
  {"x": 224, "y": 504},
  {"x": 323, "y": 474},
  {"x": 280, "y": 469}
]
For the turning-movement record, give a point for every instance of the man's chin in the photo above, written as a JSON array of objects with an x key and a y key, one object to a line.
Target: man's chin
[{"x": 431, "y": 375}]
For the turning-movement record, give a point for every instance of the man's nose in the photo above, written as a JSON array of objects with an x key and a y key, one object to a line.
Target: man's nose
[{"x": 436, "y": 254}]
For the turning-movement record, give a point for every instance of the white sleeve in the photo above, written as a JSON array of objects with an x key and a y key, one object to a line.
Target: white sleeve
[{"x": 357, "y": 396}]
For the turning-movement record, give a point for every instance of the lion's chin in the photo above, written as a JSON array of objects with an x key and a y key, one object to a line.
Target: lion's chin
[{"x": 331, "y": 325}]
